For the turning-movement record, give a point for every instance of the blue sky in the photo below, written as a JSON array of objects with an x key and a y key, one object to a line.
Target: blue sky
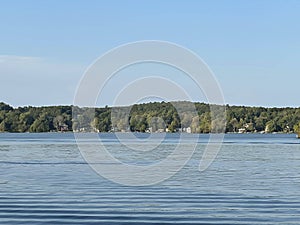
[{"x": 253, "y": 47}]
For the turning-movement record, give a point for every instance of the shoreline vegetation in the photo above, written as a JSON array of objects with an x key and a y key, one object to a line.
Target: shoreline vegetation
[{"x": 149, "y": 117}]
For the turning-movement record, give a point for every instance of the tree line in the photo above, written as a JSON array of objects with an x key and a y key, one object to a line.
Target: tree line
[{"x": 148, "y": 117}]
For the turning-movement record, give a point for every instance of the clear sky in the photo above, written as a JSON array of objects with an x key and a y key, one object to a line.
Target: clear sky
[{"x": 253, "y": 47}]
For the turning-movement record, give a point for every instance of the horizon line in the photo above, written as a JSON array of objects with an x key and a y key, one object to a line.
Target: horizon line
[{"x": 103, "y": 106}]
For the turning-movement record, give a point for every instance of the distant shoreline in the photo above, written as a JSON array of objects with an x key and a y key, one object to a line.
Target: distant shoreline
[{"x": 153, "y": 117}]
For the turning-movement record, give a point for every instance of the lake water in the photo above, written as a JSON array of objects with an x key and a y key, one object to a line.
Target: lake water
[{"x": 255, "y": 179}]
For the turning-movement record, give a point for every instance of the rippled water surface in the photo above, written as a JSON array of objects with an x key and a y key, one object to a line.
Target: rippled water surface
[{"x": 255, "y": 179}]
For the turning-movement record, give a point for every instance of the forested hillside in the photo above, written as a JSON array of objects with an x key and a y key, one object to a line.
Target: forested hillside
[{"x": 147, "y": 117}]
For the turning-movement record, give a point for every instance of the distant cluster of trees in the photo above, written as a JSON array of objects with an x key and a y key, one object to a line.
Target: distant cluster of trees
[
  {"x": 35, "y": 119},
  {"x": 148, "y": 117}
]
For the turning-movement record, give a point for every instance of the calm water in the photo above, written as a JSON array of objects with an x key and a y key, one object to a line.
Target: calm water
[{"x": 255, "y": 179}]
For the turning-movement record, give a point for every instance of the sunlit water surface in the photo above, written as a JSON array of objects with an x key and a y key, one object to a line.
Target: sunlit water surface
[{"x": 255, "y": 179}]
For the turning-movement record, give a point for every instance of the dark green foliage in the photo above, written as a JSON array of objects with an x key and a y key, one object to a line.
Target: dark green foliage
[{"x": 152, "y": 117}]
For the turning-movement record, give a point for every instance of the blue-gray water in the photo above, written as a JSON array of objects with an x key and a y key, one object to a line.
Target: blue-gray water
[{"x": 255, "y": 179}]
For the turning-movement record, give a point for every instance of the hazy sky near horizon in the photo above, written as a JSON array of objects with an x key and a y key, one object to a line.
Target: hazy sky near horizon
[{"x": 253, "y": 47}]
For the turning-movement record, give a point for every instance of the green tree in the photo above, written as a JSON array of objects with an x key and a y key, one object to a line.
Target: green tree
[
  {"x": 270, "y": 126},
  {"x": 297, "y": 127},
  {"x": 4, "y": 126}
]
